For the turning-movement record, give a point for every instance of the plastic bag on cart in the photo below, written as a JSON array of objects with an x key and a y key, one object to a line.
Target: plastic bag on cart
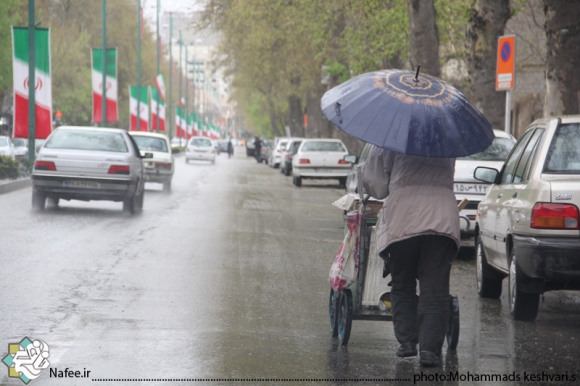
[{"x": 344, "y": 269}]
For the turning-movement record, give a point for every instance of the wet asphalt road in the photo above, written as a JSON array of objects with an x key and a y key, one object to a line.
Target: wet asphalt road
[{"x": 226, "y": 277}]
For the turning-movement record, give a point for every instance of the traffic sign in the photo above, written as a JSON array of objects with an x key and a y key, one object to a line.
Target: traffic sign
[{"x": 505, "y": 75}]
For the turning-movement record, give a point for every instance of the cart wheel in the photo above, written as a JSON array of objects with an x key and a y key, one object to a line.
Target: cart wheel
[
  {"x": 453, "y": 329},
  {"x": 344, "y": 317},
  {"x": 333, "y": 314}
]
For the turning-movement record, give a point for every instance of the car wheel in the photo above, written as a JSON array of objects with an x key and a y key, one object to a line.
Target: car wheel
[
  {"x": 297, "y": 181},
  {"x": 342, "y": 181},
  {"x": 489, "y": 282},
  {"x": 186, "y": 160},
  {"x": 523, "y": 306},
  {"x": 213, "y": 161},
  {"x": 54, "y": 200},
  {"x": 38, "y": 200},
  {"x": 167, "y": 186}
]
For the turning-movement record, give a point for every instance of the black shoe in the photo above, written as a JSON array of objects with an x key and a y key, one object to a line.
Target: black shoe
[
  {"x": 429, "y": 359},
  {"x": 407, "y": 350}
]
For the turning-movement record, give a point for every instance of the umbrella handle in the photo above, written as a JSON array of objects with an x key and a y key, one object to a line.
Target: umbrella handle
[{"x": 417, "y": 73}]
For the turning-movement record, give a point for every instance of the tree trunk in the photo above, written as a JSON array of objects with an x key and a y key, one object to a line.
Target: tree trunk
[
  {"x": 563, "y": 51},
  {"x": 273, "y": 118},
  {"x": 424, "y": 37},
  {"x": 295, "y": 116},
  {"x": 486, "y": 24}
]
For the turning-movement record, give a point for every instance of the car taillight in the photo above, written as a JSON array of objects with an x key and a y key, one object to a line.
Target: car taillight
[
  {"x": 303, "y": 161},
  {"x": 119, "y": 169},
  {"x": 163, "y": 165},
  {"x": 343, "y": 162},
  {"x": 45, "y": 165},
  {"x": 554, "y": 216}
]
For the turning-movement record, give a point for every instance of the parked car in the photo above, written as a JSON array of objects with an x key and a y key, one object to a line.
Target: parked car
[
  {"x": 200, "y": 149},
  {"x": 250, "y": 147},
  {"x": 275, "y": 155},
  {"x": 160, "y": 167},
  {"x": 320, "y": 159},
  {"x": 287, "y": 154},
  {"x": 265, "y": 150},
  {"x": 89, "y": 163},
  {"x": 6, "y": 147},
  {"x": 528, "y": 223},
  {"x": 223, "y": 145},
  {"x": 352, "y": 178},
  {"x": 466, "y": 186},
  {"x": 20, "y": 148}
]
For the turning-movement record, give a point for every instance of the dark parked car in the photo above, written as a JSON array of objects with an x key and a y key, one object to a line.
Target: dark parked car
[
  {"x": 223, "y": 145},
  {"x": 250, "y": 147}
]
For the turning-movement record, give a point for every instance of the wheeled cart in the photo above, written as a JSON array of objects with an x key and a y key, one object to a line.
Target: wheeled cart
[{"x": 368, "y": 297}]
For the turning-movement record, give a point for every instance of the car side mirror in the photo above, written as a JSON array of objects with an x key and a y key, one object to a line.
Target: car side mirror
[
  {"x": 484, "y": 174},
  {"x": 148, "y": 155},
  {"x": 350, "y": 158}
]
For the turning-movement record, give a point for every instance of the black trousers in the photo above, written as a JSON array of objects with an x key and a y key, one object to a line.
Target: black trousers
[{"x": 421, "y": 319}]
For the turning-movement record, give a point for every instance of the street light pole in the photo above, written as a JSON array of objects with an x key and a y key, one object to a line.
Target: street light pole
[
  {"x": 31, "y": 82},
  {"x": 170, "y": 99},
  {"x": 180, "y": 71},
  {"x": 104, "y": 65},
  {"x": 138, "y": 124},
  {"x": 158, "y": 69}
]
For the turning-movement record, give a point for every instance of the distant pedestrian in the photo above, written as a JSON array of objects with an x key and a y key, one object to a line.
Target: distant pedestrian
[
  {"x": 257, "y": 149},
  {"x": 230, "y": 148}
]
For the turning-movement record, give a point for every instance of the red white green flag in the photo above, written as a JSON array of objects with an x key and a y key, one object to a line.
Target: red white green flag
[
  {"x": 157, "y": 103},
  {"x": 143, "y": 105},
  {"x": 112, "y": 84},
  {"x": 43, "y": 86},
  {"x": 180, "y": 123},
  {"x": 160, "y": 84}
]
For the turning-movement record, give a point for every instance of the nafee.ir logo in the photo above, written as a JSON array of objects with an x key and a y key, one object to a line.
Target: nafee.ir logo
[{"x": 26, "y": 360}]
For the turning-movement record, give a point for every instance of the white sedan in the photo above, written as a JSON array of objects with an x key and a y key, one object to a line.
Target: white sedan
[
  {"x": 200, "y": 149},
  {"x": 320, "y": 158},
  {"x": 159, "y": 168}
]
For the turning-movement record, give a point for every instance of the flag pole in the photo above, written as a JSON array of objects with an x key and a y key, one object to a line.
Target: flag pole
[{"x": 31, "y": 83}]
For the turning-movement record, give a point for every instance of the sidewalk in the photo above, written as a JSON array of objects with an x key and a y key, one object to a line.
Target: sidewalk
[{"x": 11, "y": 185}]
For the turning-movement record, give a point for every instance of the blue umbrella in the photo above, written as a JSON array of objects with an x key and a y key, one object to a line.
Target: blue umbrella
[{"x": 408, "y": 113}]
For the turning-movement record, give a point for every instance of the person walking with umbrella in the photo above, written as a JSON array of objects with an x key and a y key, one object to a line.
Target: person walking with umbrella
[{"x": 419, "y": 125}]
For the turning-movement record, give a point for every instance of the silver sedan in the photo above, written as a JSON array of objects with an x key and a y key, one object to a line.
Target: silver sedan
[{"x": 89, "y": 163}]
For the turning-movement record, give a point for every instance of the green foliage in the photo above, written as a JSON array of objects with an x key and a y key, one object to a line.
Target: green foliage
[{"x": 8, "y": 168}]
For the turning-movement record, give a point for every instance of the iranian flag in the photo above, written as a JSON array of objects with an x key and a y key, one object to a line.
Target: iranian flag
[
  {"x": 180, "y": 124},
  {"x": 157, "y": 102},
  {"x": 195, "y": 125},
  {"x": 143, "y": 103},
  {"x": 189, "y": 126},
  {"x": 43, "y": 85},
  {"x": 160, "y": 85},
  {"x": 112, "y": 84}
]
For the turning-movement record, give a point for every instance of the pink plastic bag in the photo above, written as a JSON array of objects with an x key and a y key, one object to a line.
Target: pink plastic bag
[{"x": 344, "y": 269}]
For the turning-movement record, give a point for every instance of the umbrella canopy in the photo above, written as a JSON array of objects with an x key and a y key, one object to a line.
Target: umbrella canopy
[{"x": 408, "y": 113}]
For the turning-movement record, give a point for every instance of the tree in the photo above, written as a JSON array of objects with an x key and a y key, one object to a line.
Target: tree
[
  {"x": 424, "y": 40},
  {"x": 486, "y": 24},
  {"x": 563, "y": 40}
]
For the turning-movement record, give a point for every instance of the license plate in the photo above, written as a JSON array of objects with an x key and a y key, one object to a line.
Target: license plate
[
  {"x": 470, "y": 188},
  {"x": 323, "y": 170},
  {"x": 81, "y": 184},
  {"x": 201, "y": 151}
]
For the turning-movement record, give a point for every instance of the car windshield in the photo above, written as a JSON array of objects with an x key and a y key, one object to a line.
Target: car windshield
[
  {"x": 201, "y": 142},
  {"x": 151, "y": 143},
  {"x": 497, "y": 151},
  {"x": 87, "y": 140},
  {"x": 3, "y": 142},
  {"x": 323, "y": 146},
  {"x": 564, "y": 154},
  {"x": 18, "y": 142}
]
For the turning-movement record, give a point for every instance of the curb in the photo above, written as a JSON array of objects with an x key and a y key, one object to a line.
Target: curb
[{"x": 10, "y": 186}]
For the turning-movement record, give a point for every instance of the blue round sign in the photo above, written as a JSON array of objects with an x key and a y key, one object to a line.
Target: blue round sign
[{"x": 506, "y": 51}]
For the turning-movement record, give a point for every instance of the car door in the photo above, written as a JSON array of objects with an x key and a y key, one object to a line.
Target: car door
[{"x": 510, "y": 185}]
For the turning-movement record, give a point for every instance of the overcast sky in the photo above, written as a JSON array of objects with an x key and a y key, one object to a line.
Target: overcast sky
[{"x": 149, "y": 7}]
